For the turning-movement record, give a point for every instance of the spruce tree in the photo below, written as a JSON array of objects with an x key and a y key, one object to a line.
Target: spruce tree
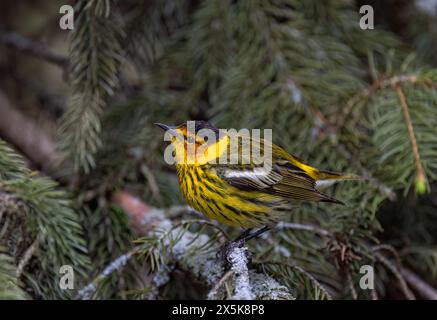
[{"x": 339, "y": 97}]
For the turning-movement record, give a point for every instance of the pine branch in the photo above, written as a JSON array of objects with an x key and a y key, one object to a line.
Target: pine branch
[
  {"x": 420, "y": 179},
  {"x": 9, "y": 284},
  {"x": 330, "y": 129},
  {"x": 28, "y": 254},
  {"x": 50, "y": 218},
  {"x": 367, "y": 93},
  {"x": 290, "y": 274},
  {"x": 214, "y": 292},
  {"x": 151, "y": 29},
  {"x": 398, "y": 137},
  {"x": 170, "y": 242},
  {"x": 88, "y": 291},
  {"x": 95, "y": 55}
]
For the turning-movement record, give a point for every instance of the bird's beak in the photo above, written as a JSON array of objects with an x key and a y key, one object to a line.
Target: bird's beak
[{"x": 170, "y": 129}]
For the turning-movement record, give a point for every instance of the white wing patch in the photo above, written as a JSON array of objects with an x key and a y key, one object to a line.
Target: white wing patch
[
  {"x": 255, "y": 173},
  {"x": 260, "y": 176},
  {"x": 325, "y": 183}
]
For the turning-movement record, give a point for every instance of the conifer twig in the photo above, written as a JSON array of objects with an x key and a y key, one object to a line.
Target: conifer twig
[
  {"x": 301, "y": 271},
  {"x": 86, "y": 292},
  {"x": 413, "y": 279},
  {"x": 405, "y": 110},
  {"x": 395, "y": 82},
  {"x": 418, "y": 284},
  {"x": 214, "y": 291},
  {"x": 374, "y": 87},
  {"x": 27, "y": 256},
  {"x": 332, "y": 131},
  {"x": 397, "y": 273},
  {"x": 389, "y": 249}
]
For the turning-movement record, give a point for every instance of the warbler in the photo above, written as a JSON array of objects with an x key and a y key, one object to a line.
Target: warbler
[{"x": 242, "y": 193}]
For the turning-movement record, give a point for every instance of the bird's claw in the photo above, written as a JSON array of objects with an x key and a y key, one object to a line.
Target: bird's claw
[{"x": 225, "y": 251}]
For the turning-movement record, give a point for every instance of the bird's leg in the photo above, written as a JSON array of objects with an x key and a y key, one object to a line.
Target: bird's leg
[
  {"x": 242, "y": 239},
  {"x": 243, "y": 235},
  {"x": 237, "y": 242},
  {"x": 255, "y": 234},
  {"x": 248, "y": 234}
]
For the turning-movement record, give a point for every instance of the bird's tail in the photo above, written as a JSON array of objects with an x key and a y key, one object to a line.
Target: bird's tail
[
  {"x": 329, "y": 175},
  {"x": 328, "y": 178}
]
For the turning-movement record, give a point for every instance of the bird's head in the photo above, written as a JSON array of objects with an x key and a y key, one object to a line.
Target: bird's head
[{"x": 194, "y": 142}]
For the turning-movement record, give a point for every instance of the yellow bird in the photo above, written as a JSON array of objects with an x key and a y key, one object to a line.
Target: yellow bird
[{"x": 242, "y": 193}]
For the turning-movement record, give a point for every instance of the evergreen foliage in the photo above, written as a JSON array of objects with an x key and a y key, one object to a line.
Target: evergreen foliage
[
  {"x": 34, "y": 209},
  {"x": 95, "y": 55},
  {"x": 340, "y": 98}
]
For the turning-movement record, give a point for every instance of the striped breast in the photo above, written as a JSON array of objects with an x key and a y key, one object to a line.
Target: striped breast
[{"x": 207, "y": 193}]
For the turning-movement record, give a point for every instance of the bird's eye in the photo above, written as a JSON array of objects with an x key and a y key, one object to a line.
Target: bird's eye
[{"x": 205, "y": 139}]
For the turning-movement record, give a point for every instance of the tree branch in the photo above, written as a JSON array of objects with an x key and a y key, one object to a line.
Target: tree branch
[
  {"x": 205, "y": 265},
  {"x": 28, "y": 254},
  {"x": 397, "y": 273},
  {"x": 36, "y": 49},
  {"x": 26, "y": 136},
  {"x": 237, "y": 258},
  {"x": 405, "y": 110},
  {"x": 424, "y": 289},
  {"x": 87, "y": 292}
]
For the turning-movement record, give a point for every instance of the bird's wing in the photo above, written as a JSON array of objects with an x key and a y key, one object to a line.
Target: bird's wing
[
  {"x": 297, "y": 185},
  {"x": 249, "y": 178},
  {"x": 286, "y": 177},
  {"x": 283, "y": 179}
]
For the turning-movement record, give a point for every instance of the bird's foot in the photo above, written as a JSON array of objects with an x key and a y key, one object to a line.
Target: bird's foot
[
  {"x": 226, "y": 250},
  {"x": 240, "y": 242}
]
